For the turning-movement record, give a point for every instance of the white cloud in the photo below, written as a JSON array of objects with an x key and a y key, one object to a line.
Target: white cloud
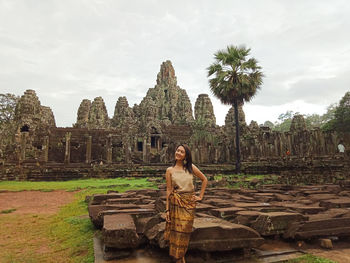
[{"x": 71, "y": 50}]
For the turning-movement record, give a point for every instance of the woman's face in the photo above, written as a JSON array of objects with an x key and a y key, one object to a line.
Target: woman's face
[{"x": 180, "y": 153}]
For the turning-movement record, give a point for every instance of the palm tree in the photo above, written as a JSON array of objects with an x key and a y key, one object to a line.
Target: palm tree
[{"x": 235, "y": 80}]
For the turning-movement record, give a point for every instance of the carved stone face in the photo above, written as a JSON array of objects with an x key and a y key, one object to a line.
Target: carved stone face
[{"x": 180, "y": 153}]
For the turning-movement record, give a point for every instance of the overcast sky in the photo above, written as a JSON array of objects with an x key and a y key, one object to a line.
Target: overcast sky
[{"x": 69, "y": 50}]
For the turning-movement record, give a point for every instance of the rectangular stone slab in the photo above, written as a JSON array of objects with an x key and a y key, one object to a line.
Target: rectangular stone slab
[
  {"x": 213, "y": 234},
  {"x": 119, "y": 231},
  {"x": 319, "y": 228},
  {"x": 273, "y": 223},
  {"x": 225, "y": 212},
  {"x": 97, "y": 199},
  {"x": 336, "y": 203}
]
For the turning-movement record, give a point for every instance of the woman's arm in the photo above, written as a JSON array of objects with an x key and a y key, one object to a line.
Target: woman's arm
[
  {"x": 168, "y": 190},
  {"x": 204, "y": 179}
]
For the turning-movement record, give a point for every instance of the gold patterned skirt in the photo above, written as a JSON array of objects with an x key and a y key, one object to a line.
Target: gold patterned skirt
[{"x": 178, "y": 230}]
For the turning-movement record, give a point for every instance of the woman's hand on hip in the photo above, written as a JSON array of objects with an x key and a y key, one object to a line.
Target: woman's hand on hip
[
  {"x": 167, "y": 216},
  {"x": 197, "y": 198}
]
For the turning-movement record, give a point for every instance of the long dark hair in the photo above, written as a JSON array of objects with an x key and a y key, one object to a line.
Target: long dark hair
[{"x": 188, "y": 158}]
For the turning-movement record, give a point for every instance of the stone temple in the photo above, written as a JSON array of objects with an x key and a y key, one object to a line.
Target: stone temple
[{"x": 147, "y": 134}]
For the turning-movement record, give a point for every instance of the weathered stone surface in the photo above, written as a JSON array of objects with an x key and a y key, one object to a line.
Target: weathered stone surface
[
  {"x": 298, "y": 124},
  {"x": 336, "y": 203},
  {"x": 119, "y": 231},
  {"x": 226, "y": 212},
  {"x": 203, "y": 111},
  {"x": 48, "y": 119},
  {"x": 155, "y": 235},
  {"x": 123, "y": 114},
  {"x": 211, "y": 234},
  {"x": 83, "y": 114},
  {"x": 319, "y": 228},
  {"x": 246, "y": 217},
  {"x": 304, "y": 209},
  {"x": 273, "y": 223},
  {"x": 98, "y": 117},
  {"x": 230, "y": 121},
  {"x": 99, "y": 198},
  {"x": 331, "y": 213},
  {"x": 326, "y": 243},
  {"x": 166, "y": 101}
]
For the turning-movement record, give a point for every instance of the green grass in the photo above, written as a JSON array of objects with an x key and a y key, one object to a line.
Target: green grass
[
  {"x": 70, "y": 231},
  {"x": 7, "y": 211},
  {"x": 72, "y": 185},
  {"x": 310, "y": 259}
]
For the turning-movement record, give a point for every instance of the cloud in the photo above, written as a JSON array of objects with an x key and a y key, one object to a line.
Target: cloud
[{"x": 68, "y": 51}]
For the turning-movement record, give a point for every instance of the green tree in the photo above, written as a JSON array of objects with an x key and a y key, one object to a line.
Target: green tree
[
  {"x": 269, "y": 124},
  {"x": 8, "y": 104},
  {"x": 285, "y": 120},
  {"x": 342, "y": 114},
  {"x": 313, "y": 120},
  {"x": 235, "y": 79}
]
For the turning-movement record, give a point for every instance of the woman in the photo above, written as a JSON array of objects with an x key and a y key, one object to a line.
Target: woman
[{"x": 181, "y": 201}]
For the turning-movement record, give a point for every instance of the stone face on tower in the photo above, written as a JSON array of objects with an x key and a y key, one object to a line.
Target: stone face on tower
[
  {"x": 298, "y": 124},
  {"x": 30, "y": 115},
  {"x": 167, "y": 101},
  {"x": 123, "y": 114},
  {"x": 230, "y": 120},
  {"x": 203, "y": 111},
  {"x": 98, "y": 117},
  {"x": 83, "y": 114}
]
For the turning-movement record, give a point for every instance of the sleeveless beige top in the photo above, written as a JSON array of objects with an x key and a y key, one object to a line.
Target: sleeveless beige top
[{"x": 182, "y": 181}]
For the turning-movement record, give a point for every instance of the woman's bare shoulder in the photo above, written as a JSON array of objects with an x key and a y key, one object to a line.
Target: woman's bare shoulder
[
  {"x": 169, "y": 169},
  {"x": 194, "y": 167}
]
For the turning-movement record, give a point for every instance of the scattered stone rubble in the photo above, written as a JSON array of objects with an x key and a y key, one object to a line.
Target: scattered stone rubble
[{"x": 226, "y": 219}]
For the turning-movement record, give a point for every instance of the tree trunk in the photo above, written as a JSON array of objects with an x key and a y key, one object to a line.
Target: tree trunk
[{"x": 238, "y": 152}]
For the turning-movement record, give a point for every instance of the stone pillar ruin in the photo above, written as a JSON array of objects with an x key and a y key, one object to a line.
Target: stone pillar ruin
[
  {"x": 23, "y": 139},
  {"x": 46, "y": 149},
  {"x": 144, "y": 151},
  {"x": 67, "y": 151},
  {"x": 88, "y": 149},
  {"x": 109, "y": 149}
]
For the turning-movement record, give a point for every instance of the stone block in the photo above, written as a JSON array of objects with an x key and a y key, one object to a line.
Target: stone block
[
  {"x": 214, "y": 234},
  {"x": 273, "y": 223},
  {"x": 119, "y": 231},
  {"x": 320, "y": 228},
  {"x": 326, "y": 243},
  {"x": 336, "y": 203},
  {"x": 226, "y": 212}
]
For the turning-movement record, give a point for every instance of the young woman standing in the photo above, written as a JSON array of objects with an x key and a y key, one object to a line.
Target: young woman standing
[{"x": 181, "y": 201}]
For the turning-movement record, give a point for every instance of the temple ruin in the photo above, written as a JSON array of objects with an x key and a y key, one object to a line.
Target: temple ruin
[{"x": 147, "y": 134}]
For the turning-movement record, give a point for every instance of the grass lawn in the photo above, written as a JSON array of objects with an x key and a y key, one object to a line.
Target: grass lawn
[
  {"x": 63, "y": 237},
  {"x": 310, "y": 259}
]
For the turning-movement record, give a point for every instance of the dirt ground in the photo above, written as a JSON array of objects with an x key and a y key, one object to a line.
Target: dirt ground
[
  {"x": 23, "y": 233},
  {"x": 35, "y": 202}
]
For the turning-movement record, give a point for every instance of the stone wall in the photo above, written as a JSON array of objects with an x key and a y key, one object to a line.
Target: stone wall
[{"x": 149, "y": 132}]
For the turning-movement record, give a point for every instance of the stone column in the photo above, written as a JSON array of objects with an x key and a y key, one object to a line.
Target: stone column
[
  {"x": 127, "y": 151},
  {"x": 46, "y": 149},
  {"x": 109, "y": 149},
  {"x": 67, "y": 151},
  {"x": 88, "y": 149},
  {"x": 23, "y": 145},
  {"x": 148, "y": 151},
  {"x": 144, "y": 150}
]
